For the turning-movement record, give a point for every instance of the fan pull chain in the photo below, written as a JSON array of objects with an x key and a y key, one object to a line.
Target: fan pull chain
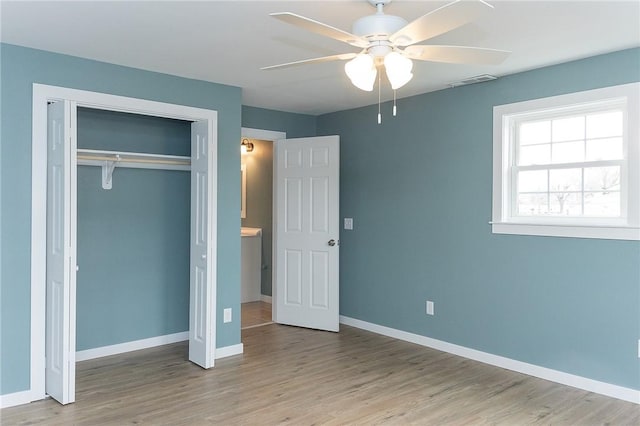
[
  {"x": 379, "y": 89},
  {"x": 394, "y": 103}
]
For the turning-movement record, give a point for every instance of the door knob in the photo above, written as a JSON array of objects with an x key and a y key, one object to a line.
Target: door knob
[{"x": 332, "y": 242}]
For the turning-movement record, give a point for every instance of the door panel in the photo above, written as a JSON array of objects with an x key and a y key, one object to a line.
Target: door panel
[
  {"x": 201, "y": 322},
  {"x": 60, "y": 339},
  {"x": 307, "y": 217},
  {"x": 293, "y": 277},
  {"x": 319, "y": 204},
  {"x": 293, "y": 203}
]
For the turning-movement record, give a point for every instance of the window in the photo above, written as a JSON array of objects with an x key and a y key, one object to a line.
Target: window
[{"x": 569, "y": 165}]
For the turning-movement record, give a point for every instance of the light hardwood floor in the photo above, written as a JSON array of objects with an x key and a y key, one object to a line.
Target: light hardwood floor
[
  {"x": 255, "y": 314},
  {"x": 301, "y": 377}
]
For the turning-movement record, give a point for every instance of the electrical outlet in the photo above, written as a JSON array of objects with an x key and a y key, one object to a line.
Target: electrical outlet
[
  {"x": 348, "y": 223},
  {"x": 227, "y": 315},
  {"x": 430, "y": 310}
]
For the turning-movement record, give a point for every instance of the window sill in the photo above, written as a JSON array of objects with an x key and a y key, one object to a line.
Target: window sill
[{"x": 570, "y": 231}]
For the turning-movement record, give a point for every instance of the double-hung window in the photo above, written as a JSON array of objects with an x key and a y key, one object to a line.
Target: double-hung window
[{"x": 569, "y": 165}]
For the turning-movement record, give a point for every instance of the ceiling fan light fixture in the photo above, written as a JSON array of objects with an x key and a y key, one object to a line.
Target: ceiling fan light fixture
[
  {"x": 398, "y": 69},
  {"x": 392, "y": 41},
  {"x": 362, "y": 72}
]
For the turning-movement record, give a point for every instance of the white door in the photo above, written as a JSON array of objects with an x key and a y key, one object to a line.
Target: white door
[
  {"x": 60, "y": 340},
  {"x": 307, "y": 231},
  {"x": 201, "y": 301}
]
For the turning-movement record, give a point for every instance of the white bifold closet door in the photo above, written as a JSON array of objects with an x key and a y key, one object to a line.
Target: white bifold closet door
[
  {"x": 201, "y": 321},
  {"x": 60, "y": 341}
]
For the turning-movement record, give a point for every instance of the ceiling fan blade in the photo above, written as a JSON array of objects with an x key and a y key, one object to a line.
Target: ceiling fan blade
[
  {"x": 320, "y": 28},
  {"x": 457, "y": 54},
  {"x": 440, "y": 21},
  {"x": 341, "y": 57}
]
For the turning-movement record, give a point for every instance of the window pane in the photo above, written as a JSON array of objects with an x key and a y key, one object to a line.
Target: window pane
[
  {"x": 535, "y": 154},
  {"x": 532, "y": 181},
  {"x": 603, "y": 179},
  {"x": 566, "y": 164},
  {"x": 604, "y": 125},
  {"x": 532, "y": 204},
  {"x": 535, "y": 132},
  {"x": 568, "y": 129},
  {"x": 602, "y": 204},
  {"x": 567, "y": 152},
  {"x": 604, "y": 149},
  {"x": 565, "y": 204},
  {"x": 565, "y": 180}
]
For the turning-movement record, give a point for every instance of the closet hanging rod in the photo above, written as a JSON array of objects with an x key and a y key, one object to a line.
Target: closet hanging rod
[
  {"x": 110, "y": 160},
  {"x": 119, "y": 159},
  {"x": 92, "y": 157}
]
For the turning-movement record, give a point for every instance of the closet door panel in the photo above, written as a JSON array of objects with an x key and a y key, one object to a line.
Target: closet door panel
[
  {"x": 60, "y": 339},
  {"x": 201, "y": 323}
]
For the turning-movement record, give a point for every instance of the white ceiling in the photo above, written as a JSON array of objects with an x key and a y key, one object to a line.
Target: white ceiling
[{"x": 228, "y": 41}]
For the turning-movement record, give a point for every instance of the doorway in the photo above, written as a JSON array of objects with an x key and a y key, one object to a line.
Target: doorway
[
  {"x": 305, "y": 224},
  {"x": 53, "y": 309},
  {"x": 257, "y": 227},
  {"x": 256, "y": 232}
]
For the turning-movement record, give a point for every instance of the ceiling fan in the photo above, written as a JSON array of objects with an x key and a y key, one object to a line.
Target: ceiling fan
[{"x": 390, "y": 41}]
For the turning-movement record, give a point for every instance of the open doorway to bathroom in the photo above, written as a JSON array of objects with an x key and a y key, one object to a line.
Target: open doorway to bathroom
[{"x": 256, "y": 241}]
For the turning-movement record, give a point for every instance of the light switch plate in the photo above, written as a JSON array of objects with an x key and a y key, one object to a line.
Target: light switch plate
[
  {"x": 348, "y": 223},
  {"x": 227, "y": 315},
  {"x": 430, "y": 307}
]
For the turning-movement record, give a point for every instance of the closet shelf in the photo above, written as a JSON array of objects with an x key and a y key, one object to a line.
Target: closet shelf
[
  {"x": 109, "y": 160},
  {"x": 92, "y": 157}
]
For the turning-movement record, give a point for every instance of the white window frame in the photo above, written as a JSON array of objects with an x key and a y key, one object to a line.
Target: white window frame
[{"x": 505, "y": 117}]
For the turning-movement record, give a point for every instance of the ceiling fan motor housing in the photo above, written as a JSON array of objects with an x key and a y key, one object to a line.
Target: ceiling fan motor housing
[{"x": 378, "y": 27}]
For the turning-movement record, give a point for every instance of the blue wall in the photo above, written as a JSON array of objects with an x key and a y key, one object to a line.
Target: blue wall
[
  {"x": 419, "y": 189},
  {"x": 133, "y": 240},
  {"x": 295, "y": 125},
  {"x": 19, "y": 69}
]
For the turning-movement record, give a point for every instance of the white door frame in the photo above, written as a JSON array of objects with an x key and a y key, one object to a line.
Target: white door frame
[
  {"x": 41, "y": 95},
  {"x": 274, "y": 137}
]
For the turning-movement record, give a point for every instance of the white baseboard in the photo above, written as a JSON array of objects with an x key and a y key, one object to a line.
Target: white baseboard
[
  {"x": 232, "y": 350},
  {"x": 25, "y": 397},
  {"x": 16, "y": 398},
  {"x": 152, "y": 342},
  {"x": 608, "y": 389},
  {"x": 265, "y": 298},
  {"x": 131, "y": 346}
]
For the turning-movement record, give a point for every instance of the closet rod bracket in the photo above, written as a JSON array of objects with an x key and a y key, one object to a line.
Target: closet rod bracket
[{"x": 107, "y": 172}]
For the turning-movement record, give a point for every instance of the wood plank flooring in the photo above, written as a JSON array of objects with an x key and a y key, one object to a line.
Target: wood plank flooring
[
  {"x": 295, "y": 376},
  {"x": 255, "y": 314}
]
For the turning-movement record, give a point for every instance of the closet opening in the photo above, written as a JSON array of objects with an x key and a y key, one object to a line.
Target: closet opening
[{"x": 133, "y": 234}]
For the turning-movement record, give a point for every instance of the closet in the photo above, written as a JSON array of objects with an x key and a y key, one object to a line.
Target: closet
[
  {"x": 132, "y": 247},
  {"x": 133, "y": 227}
]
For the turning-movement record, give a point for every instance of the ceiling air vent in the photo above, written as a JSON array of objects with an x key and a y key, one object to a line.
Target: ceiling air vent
[{"x": 471, "y": 80}]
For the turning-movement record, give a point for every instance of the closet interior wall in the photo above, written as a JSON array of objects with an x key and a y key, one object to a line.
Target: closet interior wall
[{"x": 133, "y": 239}]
